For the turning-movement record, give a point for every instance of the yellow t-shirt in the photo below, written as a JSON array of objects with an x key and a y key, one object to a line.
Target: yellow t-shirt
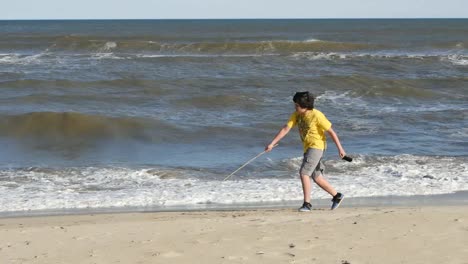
[{"x": 312, "y": 126}]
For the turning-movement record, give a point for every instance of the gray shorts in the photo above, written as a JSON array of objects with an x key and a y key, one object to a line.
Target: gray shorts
[{"x": 312, "y": 164}]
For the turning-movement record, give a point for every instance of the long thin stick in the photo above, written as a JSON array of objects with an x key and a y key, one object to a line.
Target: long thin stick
[{"x": 245, "y": 164}]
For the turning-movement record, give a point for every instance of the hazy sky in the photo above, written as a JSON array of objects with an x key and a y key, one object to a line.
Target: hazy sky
[{"x": 163, "y": 9}]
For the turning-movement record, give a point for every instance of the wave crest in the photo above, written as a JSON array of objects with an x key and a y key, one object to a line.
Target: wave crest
[
  {"x": 76, "y": 43},
  {"x": 58, "y": 126}
]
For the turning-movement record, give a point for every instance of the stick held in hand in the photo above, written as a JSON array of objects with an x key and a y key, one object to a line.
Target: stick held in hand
[{"x": 245, "y": 164}]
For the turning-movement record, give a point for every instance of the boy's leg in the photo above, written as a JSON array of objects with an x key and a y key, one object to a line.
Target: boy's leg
[
  {"x": 309, "y": 163},
  {"x": 317, "y": 175},
  {"x": 325, "y": 185},
  {"x": 306, "y": 189}
]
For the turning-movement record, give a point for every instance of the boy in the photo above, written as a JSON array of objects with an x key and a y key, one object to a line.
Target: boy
[{"x": 312, "y": 126}]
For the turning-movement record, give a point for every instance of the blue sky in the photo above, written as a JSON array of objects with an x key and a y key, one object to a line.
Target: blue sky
[{"x": 186, "y": 9}]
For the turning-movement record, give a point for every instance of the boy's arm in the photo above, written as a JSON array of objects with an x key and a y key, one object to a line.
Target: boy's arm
[
  {"x": 285, "y": 130},
  {"x": 335, "y": 138}
]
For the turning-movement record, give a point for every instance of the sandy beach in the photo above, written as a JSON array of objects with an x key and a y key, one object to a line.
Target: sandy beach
[{"x": 423, "y": 234}]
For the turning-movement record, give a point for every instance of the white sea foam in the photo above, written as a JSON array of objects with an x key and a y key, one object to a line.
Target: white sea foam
[
  {"x": 202, "y": 55},
  {"x": 20, "y": 59},
  {"x": 366, "y": 176},
  {"x": 312, "y": 40},
  {"x": 457, "y": 59},
  {"x": 110, "y": 45},
  {"x": 319, "y": 55},
  {"x": 107, "y": 55},
  {"x": 8, "y": 58},
  {"x": 345, "y": 100},
  {"x": 342, "y": 99},
  {"x": 377, "y": 55},
  {"x": 421, "y": 108}
]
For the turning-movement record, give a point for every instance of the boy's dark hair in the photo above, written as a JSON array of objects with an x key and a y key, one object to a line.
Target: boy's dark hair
[{"x": 304, "y": 100}]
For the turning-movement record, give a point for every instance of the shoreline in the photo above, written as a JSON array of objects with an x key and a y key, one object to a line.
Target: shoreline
[{"x": 450, "y": 199}]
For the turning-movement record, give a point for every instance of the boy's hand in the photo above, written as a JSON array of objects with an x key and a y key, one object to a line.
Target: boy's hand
[
  {"x": 269, "y": 147},
  {"x": 342, "y": 153}
]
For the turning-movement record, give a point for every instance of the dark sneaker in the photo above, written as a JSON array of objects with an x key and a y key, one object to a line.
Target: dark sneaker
[
  {"x": 306, "y": 207},
  {"x": 337, "y": 199}
]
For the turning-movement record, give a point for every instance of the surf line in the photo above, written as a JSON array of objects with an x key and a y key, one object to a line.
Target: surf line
[{"x": 245, "y": 164}]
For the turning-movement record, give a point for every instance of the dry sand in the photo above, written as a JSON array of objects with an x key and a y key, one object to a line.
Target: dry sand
[{"x": 347, "y": 235}]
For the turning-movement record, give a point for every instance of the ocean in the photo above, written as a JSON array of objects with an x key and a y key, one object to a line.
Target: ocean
[{"x": 135, "y": 114}]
